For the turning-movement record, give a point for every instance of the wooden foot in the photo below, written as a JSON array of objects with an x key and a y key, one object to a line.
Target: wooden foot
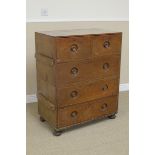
[
  {"x": 57, "y": 133},
  {"x": 112, "y": 116},
  {"x": 42, "y": 119}
]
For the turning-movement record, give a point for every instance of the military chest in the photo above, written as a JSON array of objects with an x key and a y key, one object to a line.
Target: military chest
[{"x": 78, "y": 74}]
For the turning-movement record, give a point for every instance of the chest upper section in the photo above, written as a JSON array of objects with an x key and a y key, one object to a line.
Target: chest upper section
[{"x": 65, "y": 47}]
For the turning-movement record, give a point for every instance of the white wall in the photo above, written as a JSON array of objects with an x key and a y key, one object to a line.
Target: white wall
[{"x": 78, "y": 10}]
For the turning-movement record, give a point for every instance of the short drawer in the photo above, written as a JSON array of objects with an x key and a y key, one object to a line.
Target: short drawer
[
  {"x": 87, "y": 70},
  {"x": 86, "y": 91},
  {"x": 73, "y": 47},
  {"x": 107, "y": 44},
  {"x": 76, "y": 114}
]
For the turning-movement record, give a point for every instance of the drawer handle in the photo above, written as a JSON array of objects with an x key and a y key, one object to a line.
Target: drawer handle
[
  {"x": 74, "y": 93},
  {"x": 74, "y": 48},
  {"x": 74, "y": 114},
  {"x": 104, "y": 107},
  {"x": 105, "y": 87},
  {"x": 106, "y": 44},
  {"x": 106, "y": 66},
  {"x": 74, "y": 71}
]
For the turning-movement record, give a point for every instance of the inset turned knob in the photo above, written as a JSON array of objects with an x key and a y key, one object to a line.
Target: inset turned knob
[
  {"x": 104, "y": 107},
  {"x": 74, "y": 93},
  {"x": 105, "y": 87},
  {"x": 106, "y": 66},
  {"x": 74, "y": 71},
  {"x": 74, "y": 48},
  {"x": 106, "y": 44},
  {"x": 74, "y": 114}
]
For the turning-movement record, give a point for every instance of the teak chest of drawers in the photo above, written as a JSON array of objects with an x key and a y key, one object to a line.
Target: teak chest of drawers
[{"x": 78, "y": 74}]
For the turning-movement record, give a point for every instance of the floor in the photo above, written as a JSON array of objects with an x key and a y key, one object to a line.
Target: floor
[{"x": 105, "y": 137}]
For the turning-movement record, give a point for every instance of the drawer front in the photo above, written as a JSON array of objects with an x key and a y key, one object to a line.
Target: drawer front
[
  {"x": 71, "y": 48},
  {"x": 87, "y": 70},
  {"x": 107, "y": 44},
  {"x": 83, "y": 92},
  {"x": 88, "y": 111}
]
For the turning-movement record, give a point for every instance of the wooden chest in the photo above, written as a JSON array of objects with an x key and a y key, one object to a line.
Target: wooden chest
[{"x": 78, "y": 74}]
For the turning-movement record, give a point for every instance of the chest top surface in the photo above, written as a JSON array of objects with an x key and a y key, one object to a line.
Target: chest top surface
[{"x": 77, "y": 32}]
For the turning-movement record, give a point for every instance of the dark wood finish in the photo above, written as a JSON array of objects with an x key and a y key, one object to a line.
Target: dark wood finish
[
  {"x": 88, "y": 111},
  {"x": 78, "y": 75}
]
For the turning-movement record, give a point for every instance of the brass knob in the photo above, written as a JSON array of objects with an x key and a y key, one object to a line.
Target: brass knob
[
  {"x": 106, "y": 44},
  {"x": 74, "y": 93},
  {"x": 74, "y": 71},
  {"x": 74, "y": 48},
  {"x": 104, "y": 107},
  {"x": 105, "y": 87},
  {"x": 74, "y": 114},
  {"x": 106, "y": 66}
]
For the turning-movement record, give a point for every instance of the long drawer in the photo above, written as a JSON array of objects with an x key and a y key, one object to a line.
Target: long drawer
[
  {"x": 88, "y": 111},
  {"x": 85, "y": 91},
  {"x": 96, "y": 68}
]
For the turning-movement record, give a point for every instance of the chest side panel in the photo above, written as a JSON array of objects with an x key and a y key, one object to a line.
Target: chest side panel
[{"x": 45, "y": 45}]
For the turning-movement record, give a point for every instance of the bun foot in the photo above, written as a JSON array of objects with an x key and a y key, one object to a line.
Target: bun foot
[
  {"x": 112, "y": 116},
  {"x": 42, "y": 119},
  {"x": 57, "y": 133}
]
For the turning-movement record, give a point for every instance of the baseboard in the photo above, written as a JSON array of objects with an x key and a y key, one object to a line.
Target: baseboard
[
  {"x": 36, "y": 20},
  {"x": 33, "y": 98},
  {"x": 124, "y": 87}
]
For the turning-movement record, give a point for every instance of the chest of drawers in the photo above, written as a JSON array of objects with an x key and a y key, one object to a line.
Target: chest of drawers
[{"x": 78, "y": 74}]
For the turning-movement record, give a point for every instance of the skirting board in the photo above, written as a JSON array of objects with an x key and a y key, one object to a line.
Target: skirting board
[
  {"x": 36, "y": 20},
  {"x": 33, "y": 98}
]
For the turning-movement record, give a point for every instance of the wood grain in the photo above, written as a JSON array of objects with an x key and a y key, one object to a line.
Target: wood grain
[
  {"x": 86, "y": 91},
  {"x": 45, "y": 45},
  {"x": 115, "y": 41},
  {"x": 66, "y": 50},
  {"x": 88, "y": 69},
  {"x": 78, "y": 75},
  {"x": 47, "y": 110},
  {"x": 88, "y": 111}
]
